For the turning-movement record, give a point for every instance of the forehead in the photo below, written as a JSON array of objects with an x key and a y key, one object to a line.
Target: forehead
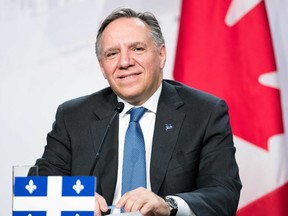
[
  {"x": 127, "y": 22},
  {"x": 123, "y": 28}
]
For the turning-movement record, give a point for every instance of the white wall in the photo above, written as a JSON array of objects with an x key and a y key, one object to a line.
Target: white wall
[{"x": 47, "y": 57}]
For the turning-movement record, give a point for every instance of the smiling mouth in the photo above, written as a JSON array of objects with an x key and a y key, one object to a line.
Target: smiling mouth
[{"x": 129, "y": 76}]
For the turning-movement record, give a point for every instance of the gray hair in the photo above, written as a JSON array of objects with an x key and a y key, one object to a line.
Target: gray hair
[{"x": 146, "y": 17}]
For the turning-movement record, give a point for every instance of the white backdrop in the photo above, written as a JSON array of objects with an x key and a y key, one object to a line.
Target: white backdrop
[{"x": 47, "y": 57}]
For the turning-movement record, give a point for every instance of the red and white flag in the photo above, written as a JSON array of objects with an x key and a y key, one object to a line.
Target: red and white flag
[{"x": 224, "y": 47}]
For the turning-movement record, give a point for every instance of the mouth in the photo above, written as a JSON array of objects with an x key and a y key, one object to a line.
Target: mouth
[{"x": 128, "y": 76}]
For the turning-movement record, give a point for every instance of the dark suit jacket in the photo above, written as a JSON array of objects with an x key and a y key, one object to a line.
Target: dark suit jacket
[{"x": 195, "y": 159}]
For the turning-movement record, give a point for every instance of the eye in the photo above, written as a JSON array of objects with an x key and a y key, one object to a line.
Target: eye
[
  {"x": 111, "y": 54},
  {"x": 138, "y": 49}
]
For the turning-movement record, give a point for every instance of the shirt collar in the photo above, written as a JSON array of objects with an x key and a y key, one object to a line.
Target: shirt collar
[{"x": 151, "y": 104}]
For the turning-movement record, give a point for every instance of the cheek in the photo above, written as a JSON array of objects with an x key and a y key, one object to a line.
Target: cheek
[
  {"x": 148, "y": 64},
  {"x": 107, "y": 69},
  {"x": 104, "y": 74}
]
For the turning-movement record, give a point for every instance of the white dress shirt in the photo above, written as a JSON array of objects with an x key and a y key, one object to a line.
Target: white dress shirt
[{"x": 147, "y": 123}]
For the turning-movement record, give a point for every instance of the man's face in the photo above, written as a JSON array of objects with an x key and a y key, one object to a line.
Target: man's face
[{"x": 130, "y": 60}]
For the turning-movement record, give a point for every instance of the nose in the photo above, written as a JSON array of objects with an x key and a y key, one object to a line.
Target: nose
[{"x": 125, "y": 60}]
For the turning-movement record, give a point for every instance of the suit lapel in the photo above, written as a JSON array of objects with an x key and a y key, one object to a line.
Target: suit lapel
[
  {"x": 106, "y": 169},
  {"x": 167, "y": 127}
]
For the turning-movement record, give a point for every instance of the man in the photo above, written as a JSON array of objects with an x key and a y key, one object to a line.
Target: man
[{"x": 190, "y": 155}]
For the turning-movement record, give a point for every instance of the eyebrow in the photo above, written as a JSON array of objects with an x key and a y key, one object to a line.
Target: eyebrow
[
  {"x": 138, "y": 43},
  {"x": 130, "y": 45}
]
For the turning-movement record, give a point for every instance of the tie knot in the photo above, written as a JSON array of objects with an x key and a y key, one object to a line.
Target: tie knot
[{"x": 136, "y": 113}]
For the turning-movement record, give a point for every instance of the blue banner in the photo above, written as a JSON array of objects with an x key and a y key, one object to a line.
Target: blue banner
[
  {"x": 30, "y": 186},
  {"x": 43, "y": 196},
  {"x": 78, "y": 186}
]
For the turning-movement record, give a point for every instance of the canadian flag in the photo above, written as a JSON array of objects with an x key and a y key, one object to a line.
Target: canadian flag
[{"x": 225, "y": 48}]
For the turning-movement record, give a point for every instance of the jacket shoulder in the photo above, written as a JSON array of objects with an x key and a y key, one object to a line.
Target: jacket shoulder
[
  {"x": 188, "y": 93},
  {"x": 93, "y": 99}
]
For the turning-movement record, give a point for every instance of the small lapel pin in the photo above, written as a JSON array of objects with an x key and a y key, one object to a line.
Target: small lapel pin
[{"x": 168, "y": 126}]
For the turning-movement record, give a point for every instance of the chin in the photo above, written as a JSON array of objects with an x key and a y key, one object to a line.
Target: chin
[{"x": 133, "y": 99}]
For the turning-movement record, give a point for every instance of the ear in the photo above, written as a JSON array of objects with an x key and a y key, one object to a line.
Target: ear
[{"x": 162, "y": 55}]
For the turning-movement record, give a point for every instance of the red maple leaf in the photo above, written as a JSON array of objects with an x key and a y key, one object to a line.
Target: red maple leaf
[{"x": 227, "y": 62}]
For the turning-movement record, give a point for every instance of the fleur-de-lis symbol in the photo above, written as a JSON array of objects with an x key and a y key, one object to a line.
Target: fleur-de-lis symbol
[
  {"x": 77, "y": 215},
  {"x": 29, "y": 214},
  {"x": 168, "y": 126},
  {"x": 78, "y": 187},
  {"x": 31, "y": 187}
]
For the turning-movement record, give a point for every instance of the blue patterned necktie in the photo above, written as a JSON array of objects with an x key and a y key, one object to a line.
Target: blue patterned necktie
[{"x": 134, "y": 162}]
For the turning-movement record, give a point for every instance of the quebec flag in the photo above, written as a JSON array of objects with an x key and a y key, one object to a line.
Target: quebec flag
[{"x": 54, "y": 196}]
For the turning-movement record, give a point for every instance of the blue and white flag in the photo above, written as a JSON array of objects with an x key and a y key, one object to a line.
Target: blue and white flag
[{"x": 54, "y": 196}]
